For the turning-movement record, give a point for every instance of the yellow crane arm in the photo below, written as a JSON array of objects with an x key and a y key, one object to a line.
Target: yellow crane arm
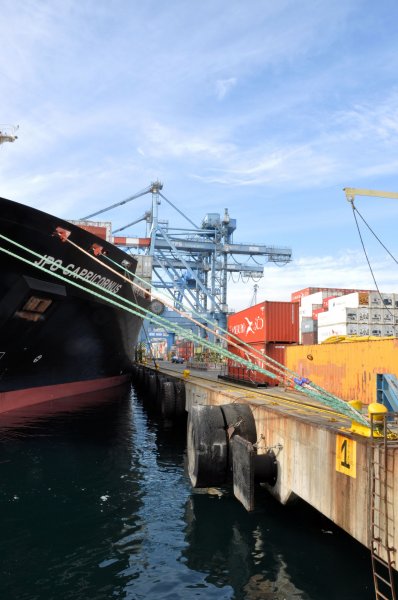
[{"x": 352, "y": 192}]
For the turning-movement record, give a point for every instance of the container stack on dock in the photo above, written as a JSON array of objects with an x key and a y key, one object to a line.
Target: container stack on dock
[
  {"x": 268, "y": 327},
  {"x": 329, "y": 312},
  {"x": 184, "y": 348},
  {"x": 313, "y": 301},
  {"x": 360, "y": 314}
]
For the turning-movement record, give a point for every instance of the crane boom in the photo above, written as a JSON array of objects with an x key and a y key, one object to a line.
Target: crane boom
[
  {"x": 7, "y": 133},
  {"x": 352, "y": 192}
]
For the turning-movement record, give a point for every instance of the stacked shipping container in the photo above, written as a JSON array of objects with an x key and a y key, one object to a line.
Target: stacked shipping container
[
  {"x": 184, "y": 348},
  {"x": 314, "y": 303},
  {"x": 267, "y": 327},
  {"x": 313, "y": 315},
  {"x": 361, "y": 314}
]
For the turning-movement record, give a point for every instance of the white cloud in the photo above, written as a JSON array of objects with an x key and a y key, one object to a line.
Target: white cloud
[
  {"x": 224, "y": 86},
  {"x": 346, "y": 270},
  {"x": 166, "y": 141}
]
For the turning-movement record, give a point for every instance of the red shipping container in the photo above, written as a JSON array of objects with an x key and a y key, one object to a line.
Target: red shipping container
[
  {"x": 185, "y": 349},
  {"x": 333, "y": 292},
  {"x": 325, "y": 302},
  {"x": 296, "y": 296},
  {"x": 101, "y": 229},
  {"x": 309, "y": 339},
  {"x": 275, "y": 351},
  {"x": 266, "y": 322},
  {"x": 316, "y": 312}
]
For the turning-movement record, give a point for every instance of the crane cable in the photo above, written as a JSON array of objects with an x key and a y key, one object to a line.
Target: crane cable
[{"x": 354, "y": 211}]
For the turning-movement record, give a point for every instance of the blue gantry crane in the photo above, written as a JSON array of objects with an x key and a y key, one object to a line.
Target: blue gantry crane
[{"x": 194, "y": 264}]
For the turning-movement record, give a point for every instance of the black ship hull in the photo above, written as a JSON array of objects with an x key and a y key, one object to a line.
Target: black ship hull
[{"x": 61, "y": 332}]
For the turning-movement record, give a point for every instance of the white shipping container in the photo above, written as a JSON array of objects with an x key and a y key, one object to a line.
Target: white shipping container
[
  {"x": 388, "y": 316},
  {"x": 376, "y": 315},
  {"x": 388, "y": 330},
  {"x": 363, "y": 315},
  {"x": 363, "y": 329},
  {"x": 375, "y": 299},
  {"x": 376, "y": 330},
  {"x": 353, "y": 300},
  {"x": 144, "y": 266},
  {"x": 308, "y": 301},
  {"x": 327, "y": 331},
  {"x": 352, "y": 329},
  {"x": 388, "y": 299},
  {"x": 306, "y": 311},
  {"x": 339, "y": 314}
]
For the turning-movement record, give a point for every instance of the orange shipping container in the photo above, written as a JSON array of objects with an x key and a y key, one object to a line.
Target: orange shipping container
[
  {"x": 347, "y": 369},
  {"x": 266, "y": 322}
]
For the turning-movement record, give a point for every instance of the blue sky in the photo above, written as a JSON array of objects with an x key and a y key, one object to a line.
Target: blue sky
[{"x": 267, "y": 108}]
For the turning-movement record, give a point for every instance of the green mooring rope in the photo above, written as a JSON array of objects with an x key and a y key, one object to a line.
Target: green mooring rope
[
  {"x": 324, "y": 397},
  {"x": 299, "y": 383}
]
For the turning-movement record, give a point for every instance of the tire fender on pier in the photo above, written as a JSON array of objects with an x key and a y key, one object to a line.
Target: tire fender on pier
[
  {"x": 239, "y": 420},
  {"x": 152, "y": 385},
  {"x": 179, "y": 390},
  {"x": 207, "y": 446},
  {"x": 167, "y": 399}
]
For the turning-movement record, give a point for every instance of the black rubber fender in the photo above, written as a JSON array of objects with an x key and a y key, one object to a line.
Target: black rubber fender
[
  {"x": 179, "y": 390},
  {"x": 140, "y": 376},
  {"x": 152, "y": 386},
  {"x": 207, "y": 446},
  {"x": 242, "y": 414},
  {"x": 160, "y": 380},
  {"x": 167, "y": 399},
  {"x": 148, "y": 374},
  {"x": 266, "y": 468}
]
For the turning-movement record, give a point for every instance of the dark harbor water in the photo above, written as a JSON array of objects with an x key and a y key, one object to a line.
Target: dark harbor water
[{"x": 95, "y": 504}]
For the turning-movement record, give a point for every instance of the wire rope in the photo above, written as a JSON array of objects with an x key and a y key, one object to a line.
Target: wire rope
[
  {"x": 375, "y": 235},
  {"x": 354, "y": 211},
  {"x": 315, "y": 391}
]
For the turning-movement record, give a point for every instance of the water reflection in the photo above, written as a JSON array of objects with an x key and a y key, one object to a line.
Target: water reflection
[
  {"x": 96, "y": 503},
  {"x": 78, "y": 408},
  {"x": 277, "y": 552},
  {"x": 69, "y": 488}
]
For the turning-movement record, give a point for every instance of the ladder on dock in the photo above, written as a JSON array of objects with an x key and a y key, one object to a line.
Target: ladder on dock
[{"x": 382, "y": 509}]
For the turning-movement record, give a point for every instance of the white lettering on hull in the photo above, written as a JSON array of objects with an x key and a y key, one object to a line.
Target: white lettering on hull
[{"x": 72, "y": 270}]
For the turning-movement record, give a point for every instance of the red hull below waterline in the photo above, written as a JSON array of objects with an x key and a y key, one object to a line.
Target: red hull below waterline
[{"x": 28, "y": 397}]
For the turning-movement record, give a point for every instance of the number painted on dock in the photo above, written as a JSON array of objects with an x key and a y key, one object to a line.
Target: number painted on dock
[{"x": 346, "y": 456}]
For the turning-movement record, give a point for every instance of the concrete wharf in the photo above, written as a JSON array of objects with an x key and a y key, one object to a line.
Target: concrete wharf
[{"x": 339, "y": 470}]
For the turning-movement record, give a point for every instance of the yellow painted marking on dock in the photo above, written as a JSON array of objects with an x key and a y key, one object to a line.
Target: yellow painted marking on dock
[{"x": 346, "y": 456}]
